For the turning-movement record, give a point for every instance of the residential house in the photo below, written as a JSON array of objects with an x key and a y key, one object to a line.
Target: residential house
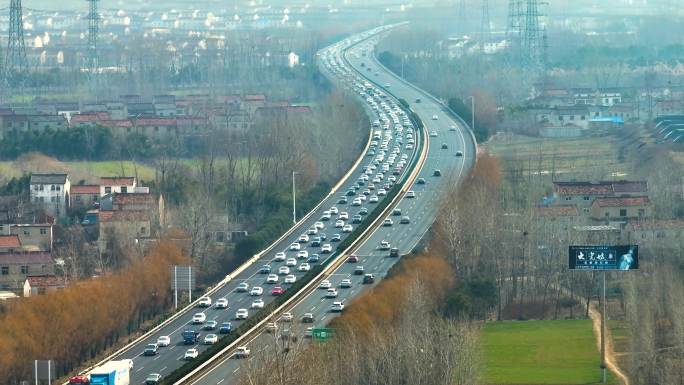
[
  {"x": 10, "y": 244},
  {"x": 15, "y": 267},
  {"x": 250, "y": 103},
  {"x": 41, "y": 284},
  {"x": 115, "y": 184},
  {"x": 84, "y": 197},
  {"x": 156, "y": 127},
  {"x": 583, "y": 194},
  {"x": 47, "y": 122},
  {"x": 137, "y": 110},
  {"x": 147, "y": 202},
  {"x": 126, "y": 226},
  {"x": 620, "y": 209},
  {"x": 51, "y": 191},
  {"x": 652, "y": 233},
  {"x": 33, "y": 237}
]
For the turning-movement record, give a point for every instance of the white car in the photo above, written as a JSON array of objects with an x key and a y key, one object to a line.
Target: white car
[
  {"x": 241, "y": 314},
  {"x": 334, "y": 210},
  {"x": 343, "y": 215},
  {"x": 326, "y": 248},
  {"x": 295, "y": 247},
  {"x": 291, "y": 262},
  {"x": 273, "y": 278},
  {"x": 290, "y": 279},
  {"x": 303, "y": 254},
  {"x": 382, "y": 192},
  {"x": 279, "y": 257},
  {"x": 433, "y": 134},
  {"x": 339, "y": 224},
  {"x": 257, "y": 304},
  {"x": 331, "y": 293},
  {"x": 303, "y": 238},
  {"x": 410, "y": 194},
  {"x": 346, "y": 283},
  {"x": 357, "y": 202},
  {"x": 337, "y": 307},
  {"x": 199, "y": 318},
  {"x": 204, "y": 302},
  {"x": 304, "y": 267},
  {"x": 384, "y": 245},
  {"x": 387, "y": 222},
  {"x": 210, "y": 339},
  {"x": 347, "y": 229},
  {"x": 242, "y": 287},
  {"x": 319, "y": 225},
  {"x": 163, "y": 341},
  {"x": 221, "y": 303},
  {"x": 373, "y": 199},
  {"x": 325, "y": 284},
  {"x": 242, "y": 352},
  {"x": 283, "y": 270},
  {"x": 190, "y": 354},
  {"x": 435, "y": 117},
  {"x": 286, "y": 317},
  {"x": 256, "y": 291}
]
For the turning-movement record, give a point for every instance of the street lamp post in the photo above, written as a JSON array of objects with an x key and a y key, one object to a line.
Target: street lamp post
[
  {"x": 294, "y": 198},
  {"x": 472, "y": 112}
]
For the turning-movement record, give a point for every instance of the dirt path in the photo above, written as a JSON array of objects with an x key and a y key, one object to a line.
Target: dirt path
[{"x": 611, "y": 361}]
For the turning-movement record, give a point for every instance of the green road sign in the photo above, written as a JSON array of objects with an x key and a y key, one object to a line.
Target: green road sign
[{"x": 322, "y": 334}]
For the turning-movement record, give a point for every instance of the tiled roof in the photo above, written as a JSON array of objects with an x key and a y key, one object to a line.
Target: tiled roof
[
  {"x": 10, "y": 241},
  {"x": 133, "y": 198},
  {"x": 558, "y": 211},
  {"x": 600, "y": 188},
  {"x": 48, "y": 178},
  {"x": 122, "y": 216},
  {"x": 155, "y": 122},
  {"x": 45, "y": 281},
  {"x": 667, "y": 224},
  {"x": 117, "y": 180},
  {"x": 85, "y": 189},
  {"x": 622, "y": 202},
  {"x": 255, "y": 98},
  {"x": 25, "y": 258},
  {"x": 117, "y": 123}
]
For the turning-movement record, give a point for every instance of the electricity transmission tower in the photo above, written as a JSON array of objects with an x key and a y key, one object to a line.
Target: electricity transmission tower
[
  {"x": 92, "y": 61},
  {"x": 462, "y": 18},
  {"x": 514, "y": 24},
  {"x": 532, "y": 33},
  {"x": 15, "y": 61},
  {"x": 485, "y": 27}
]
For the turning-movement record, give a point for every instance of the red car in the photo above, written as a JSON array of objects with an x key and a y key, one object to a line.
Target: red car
[
  {"x": 353, "y": 259},
  {"x": 277, "y": 290}
]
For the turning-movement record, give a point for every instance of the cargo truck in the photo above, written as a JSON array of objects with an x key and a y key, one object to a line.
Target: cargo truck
[
  {"x": 111, "y": 373},
  {"x": 190, "y": 337}
]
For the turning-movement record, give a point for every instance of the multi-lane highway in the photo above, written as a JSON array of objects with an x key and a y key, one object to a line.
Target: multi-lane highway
[
  {"x": 288, "y": 259},
  {"x": 451, "y": 153}
]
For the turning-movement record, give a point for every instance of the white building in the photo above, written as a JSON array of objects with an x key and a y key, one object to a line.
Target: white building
[
  {"x": 51, "y": 191},
  {"x": 122, "y": 185}
]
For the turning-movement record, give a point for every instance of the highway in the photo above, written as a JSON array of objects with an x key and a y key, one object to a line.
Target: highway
[
  {"x": 171, "y": 357},
  {"x": 421, "y": 209}
]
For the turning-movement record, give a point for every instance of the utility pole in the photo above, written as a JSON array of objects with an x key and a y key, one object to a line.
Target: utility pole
[
  {"x": 472, "y": 112},
  {"x": 92, "y": 61},
  {"x": 15, "y": 61},
  {"x": 294, "y": 198},
  {"x": 603, "y": 330}
]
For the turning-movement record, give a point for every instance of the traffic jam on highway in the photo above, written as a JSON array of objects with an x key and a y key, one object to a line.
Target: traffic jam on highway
[{"x": 393, "y": 144}]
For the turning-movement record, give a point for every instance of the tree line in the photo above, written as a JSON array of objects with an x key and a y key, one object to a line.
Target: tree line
[{"x": 75, "y": 324}]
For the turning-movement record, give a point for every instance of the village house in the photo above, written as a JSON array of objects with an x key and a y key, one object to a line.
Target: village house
[
  {"x": 620, "y": 209},
  {"x": 126, "y": 226},
  {"x": 16, "y": 266},
  {"x": 115, "y": 184},
  {"x": 42, "y": 284},
  {"x": 84, "y": 197},
  {"x": 656, "y": 233},
  {"x": 582, "y": 194},
  {"x": 51, "y": 191}
]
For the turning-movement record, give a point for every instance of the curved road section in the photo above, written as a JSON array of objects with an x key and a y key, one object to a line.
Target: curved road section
[
  {"x": 289, "y": 258},
  {"x": 452, "y": 152}
]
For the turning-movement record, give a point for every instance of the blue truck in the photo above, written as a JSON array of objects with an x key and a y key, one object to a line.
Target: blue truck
[{"x": 190, "y": 337}]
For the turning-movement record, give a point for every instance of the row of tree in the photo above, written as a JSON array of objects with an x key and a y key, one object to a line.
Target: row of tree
[
  {"x": 392, "y": 334},
  {"x": 73, "y": 325}
]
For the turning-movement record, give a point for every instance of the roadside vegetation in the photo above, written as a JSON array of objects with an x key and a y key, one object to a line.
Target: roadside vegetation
[{"x": 76, "y": 324}]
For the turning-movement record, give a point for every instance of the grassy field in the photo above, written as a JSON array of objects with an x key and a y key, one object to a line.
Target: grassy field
[
  {"x": 540, "y": 352},
  {"x": 578, "y": 156},
  {"x": 89, "y": 171}
]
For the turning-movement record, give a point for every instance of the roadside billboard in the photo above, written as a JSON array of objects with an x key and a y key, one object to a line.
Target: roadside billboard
[{"x": 616, "y": 257}]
